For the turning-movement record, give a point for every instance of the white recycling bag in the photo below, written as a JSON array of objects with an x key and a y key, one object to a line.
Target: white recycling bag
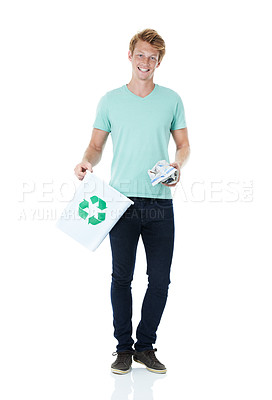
[{"x": 94, "y": 210}]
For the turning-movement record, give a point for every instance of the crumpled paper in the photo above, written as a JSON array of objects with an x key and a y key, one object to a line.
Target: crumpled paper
[{"x": 162, "y": 172}]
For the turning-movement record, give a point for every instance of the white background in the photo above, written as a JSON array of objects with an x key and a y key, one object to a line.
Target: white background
[{"x": 58, "y": 59}]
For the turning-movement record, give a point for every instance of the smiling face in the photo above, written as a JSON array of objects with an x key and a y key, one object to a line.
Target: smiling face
[{"x": 144, "y": 60}]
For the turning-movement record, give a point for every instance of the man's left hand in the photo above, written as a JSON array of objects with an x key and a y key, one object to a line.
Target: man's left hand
[{"x": 175, "y": 165}]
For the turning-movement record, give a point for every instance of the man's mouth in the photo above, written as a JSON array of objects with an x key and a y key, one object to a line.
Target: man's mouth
[{"x": 143, "y": 69}]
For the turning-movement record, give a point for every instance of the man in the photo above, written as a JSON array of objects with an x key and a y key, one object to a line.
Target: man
[{"x": 140, "y": 116}]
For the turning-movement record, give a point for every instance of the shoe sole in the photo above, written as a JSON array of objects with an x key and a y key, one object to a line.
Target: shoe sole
[
  {"x": 157, "y": 371},
  {"x": 119, "y": 371}
]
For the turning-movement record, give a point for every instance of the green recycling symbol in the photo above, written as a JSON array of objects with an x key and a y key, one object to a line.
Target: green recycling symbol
[{"x": 85, "y": 205}]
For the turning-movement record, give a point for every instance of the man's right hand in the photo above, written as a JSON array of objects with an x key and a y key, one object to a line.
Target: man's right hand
[{"x": 81, "y": 168}]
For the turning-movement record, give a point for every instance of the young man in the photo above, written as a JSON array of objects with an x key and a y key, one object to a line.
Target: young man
[{"x": 140, "y": 116}]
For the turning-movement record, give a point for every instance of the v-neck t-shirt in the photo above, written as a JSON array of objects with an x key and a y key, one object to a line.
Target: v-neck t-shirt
[{"x": 140, "y": 129}]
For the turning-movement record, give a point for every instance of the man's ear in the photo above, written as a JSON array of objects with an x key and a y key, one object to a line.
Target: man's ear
[
  {"x": 129, "y": 55},
  {"x": 158, "y": 64}
]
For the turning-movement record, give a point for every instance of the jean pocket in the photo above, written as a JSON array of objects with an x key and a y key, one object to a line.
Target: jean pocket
[{"x": 164, "y": 203}]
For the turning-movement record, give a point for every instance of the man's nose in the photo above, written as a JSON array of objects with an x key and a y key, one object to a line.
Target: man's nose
[{"x": 145, "y": 61}]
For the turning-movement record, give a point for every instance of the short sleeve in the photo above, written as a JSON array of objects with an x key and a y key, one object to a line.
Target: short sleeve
[
  {"x": 102, "y": 120},
  {"x": 178, "y": 121}
]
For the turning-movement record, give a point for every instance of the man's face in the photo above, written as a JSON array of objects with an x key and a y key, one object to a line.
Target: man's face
[{"x": 144, "y": 60}]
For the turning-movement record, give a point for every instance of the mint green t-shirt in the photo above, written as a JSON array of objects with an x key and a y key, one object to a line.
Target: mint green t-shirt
[{"x": 140, "y": 130}]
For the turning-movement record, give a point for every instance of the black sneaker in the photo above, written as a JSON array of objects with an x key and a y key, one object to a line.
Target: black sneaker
[
  {"x": 122, "y": 364},
  {"x": 149, "y": 359}
]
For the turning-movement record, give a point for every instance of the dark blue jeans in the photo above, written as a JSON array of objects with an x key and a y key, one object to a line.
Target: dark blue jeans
[{"x": 153, "y": 219}]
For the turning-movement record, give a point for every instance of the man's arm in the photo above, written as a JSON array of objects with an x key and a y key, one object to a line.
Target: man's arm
[
  {"x": 93, "y": 153},
  {"x": 180, "y": 137}
]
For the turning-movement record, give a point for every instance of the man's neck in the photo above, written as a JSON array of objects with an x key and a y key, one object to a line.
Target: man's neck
[{"x": 141, "y": 88}]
